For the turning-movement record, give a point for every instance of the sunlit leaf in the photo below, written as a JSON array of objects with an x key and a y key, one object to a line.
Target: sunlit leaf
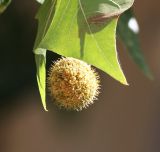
[{"x": 82, "y": 29}]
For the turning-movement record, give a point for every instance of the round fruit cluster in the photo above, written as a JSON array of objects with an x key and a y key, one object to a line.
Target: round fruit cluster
[{"x": 73, "y": 84}]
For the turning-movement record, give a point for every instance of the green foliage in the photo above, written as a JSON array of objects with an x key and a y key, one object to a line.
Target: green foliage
[
  {"x": 86, "y": 30},
  {"x": 131, "y": 41},
  {"x": 41, "y": 76},
  {"x": 82, "y": 29},
  {"x": 3, "y": 5}
]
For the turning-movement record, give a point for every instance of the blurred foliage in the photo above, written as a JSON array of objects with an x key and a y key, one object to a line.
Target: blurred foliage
[
  {"x": 129, "y": 36},
  {"x": 3, "y": 5}
]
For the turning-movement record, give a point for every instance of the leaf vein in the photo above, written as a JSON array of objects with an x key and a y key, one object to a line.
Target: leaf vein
[{"x": 99, "y": 48}]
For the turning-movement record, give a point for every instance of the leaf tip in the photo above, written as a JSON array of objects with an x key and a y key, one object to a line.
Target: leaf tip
[
  {"x": 125, "y": 83},
  {"x": 45, "y": 108}
]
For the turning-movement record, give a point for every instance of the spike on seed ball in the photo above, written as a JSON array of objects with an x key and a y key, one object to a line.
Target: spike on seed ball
[{"x": 73, "y": 84}]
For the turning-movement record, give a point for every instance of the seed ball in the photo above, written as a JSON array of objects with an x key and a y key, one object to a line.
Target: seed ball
[{"x": 73, "y": 84}]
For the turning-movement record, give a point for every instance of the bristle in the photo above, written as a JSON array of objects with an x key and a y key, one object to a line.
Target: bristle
[{"x": 73, "y": 84}]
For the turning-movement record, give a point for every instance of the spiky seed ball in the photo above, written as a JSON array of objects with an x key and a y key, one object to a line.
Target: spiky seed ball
[{"x": 73, "y": 84}]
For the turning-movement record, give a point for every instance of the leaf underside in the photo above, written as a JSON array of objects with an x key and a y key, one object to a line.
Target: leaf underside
[{"x": 82, "y": 29}]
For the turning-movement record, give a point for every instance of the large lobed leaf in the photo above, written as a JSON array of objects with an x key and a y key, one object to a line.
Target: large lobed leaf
[{"x": 82, "y": 29}]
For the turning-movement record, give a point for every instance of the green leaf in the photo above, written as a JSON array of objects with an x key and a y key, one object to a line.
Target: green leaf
[
  {"x": 127, "y": 31},
  {"x": 46, "y": 16},
  {"x": 41, "y": 76},
  {"x": 3, "y": 5},
  {"x": 82, "y": 29}
]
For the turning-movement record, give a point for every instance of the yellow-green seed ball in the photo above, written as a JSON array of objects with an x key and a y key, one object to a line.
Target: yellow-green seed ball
[{"x": 73, "y": 84}]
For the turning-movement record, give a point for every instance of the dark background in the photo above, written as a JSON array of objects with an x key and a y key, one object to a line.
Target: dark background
[{"x": 124, "y": 119}]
